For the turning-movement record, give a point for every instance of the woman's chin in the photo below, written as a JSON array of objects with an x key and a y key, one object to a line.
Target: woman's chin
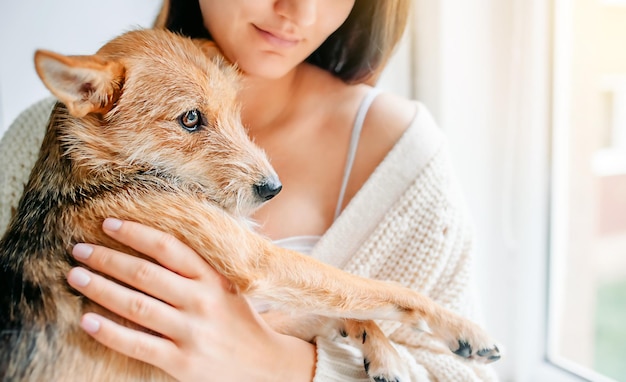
[
  {"x": 271, "y": 74},
  {"x": 271, "y": 69}
]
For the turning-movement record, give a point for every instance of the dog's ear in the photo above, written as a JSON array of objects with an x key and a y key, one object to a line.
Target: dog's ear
[
  {"x": 85, "y": 84},
  {"x": 209, "y": 48}
]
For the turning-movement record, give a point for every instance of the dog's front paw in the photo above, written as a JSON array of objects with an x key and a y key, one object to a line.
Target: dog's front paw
[
  {"x": 482, "y": 353},
  {"x": 466, "y": 339},
  {"x": 390, "y": 371},
  {"x": 381, "y": 360}
]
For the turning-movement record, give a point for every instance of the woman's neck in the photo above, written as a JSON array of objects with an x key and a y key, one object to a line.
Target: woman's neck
[{"x": 267, "y": 102}]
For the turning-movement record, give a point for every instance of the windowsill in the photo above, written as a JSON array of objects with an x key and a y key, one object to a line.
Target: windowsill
[{"x": 576, "y": 372}]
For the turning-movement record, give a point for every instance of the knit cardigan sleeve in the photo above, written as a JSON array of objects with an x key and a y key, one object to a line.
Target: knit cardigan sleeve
[
  {"x": 422, "y": 241},
  {"x": 19, "y": 149}
]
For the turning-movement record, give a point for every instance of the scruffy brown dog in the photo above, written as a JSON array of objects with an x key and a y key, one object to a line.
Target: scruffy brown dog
[{"x": 148, "y": 129}]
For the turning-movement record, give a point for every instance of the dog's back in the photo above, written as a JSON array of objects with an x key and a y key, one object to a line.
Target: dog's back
[{"x": 151, "y": 112}]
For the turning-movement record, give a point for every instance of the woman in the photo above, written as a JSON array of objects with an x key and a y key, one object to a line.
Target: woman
[{"x": 367, "y": 188}]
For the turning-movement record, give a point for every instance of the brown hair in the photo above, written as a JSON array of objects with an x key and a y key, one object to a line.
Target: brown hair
[{"x": 356, "y": 52}]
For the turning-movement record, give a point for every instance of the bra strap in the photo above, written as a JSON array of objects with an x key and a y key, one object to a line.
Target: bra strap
[{"x": 354, "y": 143}]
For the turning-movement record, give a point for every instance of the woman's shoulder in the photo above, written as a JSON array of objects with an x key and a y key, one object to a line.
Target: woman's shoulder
[{"x": 387, "y": 119}]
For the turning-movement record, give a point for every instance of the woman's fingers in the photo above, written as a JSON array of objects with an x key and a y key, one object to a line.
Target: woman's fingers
[
  {"x": 162, "y": 247},
  {"x": 130, "y": 304},
  {"x": 139, "y": 273},
  {"x": 157, "y": 351}
]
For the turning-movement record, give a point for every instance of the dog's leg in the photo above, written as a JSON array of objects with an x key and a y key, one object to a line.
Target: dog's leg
[
  {"x": 288, "y": 279},
  {"x": 380, "y": 359},
  {"x": 293, "y": 280}
]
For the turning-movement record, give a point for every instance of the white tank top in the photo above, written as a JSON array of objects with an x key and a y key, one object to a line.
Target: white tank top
[{"x": 305, "y": 243}]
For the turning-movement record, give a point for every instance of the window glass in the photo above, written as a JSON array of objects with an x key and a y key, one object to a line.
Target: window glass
[{"x": 588, "y": 229}]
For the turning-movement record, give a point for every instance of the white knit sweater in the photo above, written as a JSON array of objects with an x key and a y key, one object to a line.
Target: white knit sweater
[{"x": 407, "y": 224}]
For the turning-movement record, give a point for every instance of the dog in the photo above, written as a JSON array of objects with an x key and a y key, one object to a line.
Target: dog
[{"x": 148, "y": 129}]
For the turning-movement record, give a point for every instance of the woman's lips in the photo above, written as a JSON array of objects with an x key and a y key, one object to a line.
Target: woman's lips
[{"x": 276, "y": 39}]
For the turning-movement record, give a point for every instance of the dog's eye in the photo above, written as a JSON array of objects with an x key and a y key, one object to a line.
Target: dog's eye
[{"x": 191, "y": 120}]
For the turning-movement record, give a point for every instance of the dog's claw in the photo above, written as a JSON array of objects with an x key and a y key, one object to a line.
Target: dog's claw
[
  {"x": 383, "y": 379},
  {"x": 485, "y": 355},
  {"x": 489, "y": 355},
  {"x": 378, "y": 378},
  {"x": 464, "y": 350}
]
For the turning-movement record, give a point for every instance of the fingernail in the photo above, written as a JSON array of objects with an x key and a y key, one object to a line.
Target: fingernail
[
  {"x": 78, "y": 277},
  {"x": 111, "y": 224},
  {"x": 90, "y": 324},
  {"x": 82, "y": 251}
]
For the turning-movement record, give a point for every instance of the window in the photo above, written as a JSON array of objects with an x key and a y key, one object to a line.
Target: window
[
  {"x": 530, "y": 94},
  {"x": 587, "y": 279}
]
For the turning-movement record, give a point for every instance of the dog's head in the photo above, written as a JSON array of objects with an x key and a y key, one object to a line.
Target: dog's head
[{"x": 153, "y": 102}]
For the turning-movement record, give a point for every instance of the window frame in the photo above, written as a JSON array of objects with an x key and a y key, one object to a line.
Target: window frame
[
  {"x": 562, "y": 17},
  {"x": 550, "y": 216},
  {"x": 550, "y": 174}
]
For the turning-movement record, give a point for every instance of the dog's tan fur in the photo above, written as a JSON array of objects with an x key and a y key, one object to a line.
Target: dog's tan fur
[{"x": 115, "y": 147}]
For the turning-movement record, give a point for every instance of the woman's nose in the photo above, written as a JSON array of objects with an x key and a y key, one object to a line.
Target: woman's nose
[{"x": 301, "y": 12}]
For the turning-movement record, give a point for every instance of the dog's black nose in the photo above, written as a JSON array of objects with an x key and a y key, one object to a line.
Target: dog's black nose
[{"x": 267, "y": 189}]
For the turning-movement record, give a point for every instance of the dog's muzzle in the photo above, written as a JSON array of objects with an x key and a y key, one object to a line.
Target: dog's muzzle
[{"x": 268, "y": 188}]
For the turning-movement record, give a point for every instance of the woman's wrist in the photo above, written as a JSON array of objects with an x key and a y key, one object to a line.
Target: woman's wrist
[{"x": 295, "y": 361}]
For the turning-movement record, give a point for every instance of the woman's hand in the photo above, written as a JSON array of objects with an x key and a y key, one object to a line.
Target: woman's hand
[{"x": 208, "y": 332}]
